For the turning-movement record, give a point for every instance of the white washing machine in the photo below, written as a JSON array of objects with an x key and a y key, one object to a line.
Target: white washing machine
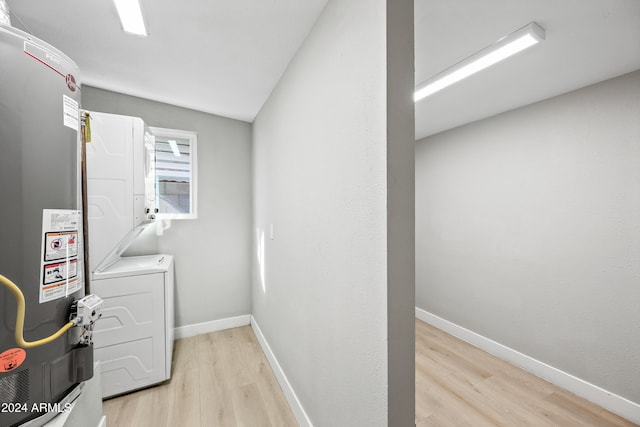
[{"x": 133, "y": 339}]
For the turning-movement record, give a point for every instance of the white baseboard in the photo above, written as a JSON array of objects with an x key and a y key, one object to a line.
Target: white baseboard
[
  {"x": 212, "y": 326},
  {"x": 289, "y": 393},
  {"x": 612, "y": 402}
]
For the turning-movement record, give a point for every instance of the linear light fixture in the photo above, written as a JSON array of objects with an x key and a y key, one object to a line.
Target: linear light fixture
[
  {"x": 174, "y": 148},
  {"x": 515, "y": 42},
  {"x": 130, "y": 14}
]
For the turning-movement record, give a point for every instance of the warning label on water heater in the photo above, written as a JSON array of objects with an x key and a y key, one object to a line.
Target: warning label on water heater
[
  {"x": 12, "y": 359},
  {"x": 59, "y": 271},
  {"x": 60, "y": 245},
  {"x": 70, "y": 115}
]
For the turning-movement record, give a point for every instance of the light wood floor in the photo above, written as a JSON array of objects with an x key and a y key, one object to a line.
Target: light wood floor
[
  {"x": 218, "y": 379},
  {"x": 222, "y": 379},
  {"x": 460, "y": 385}
]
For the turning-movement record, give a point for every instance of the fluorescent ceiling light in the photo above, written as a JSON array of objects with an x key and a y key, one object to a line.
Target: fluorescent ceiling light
[
  {"x": 515, "y": 42},
  {"x": 174, "y": 148},
  {"x": 131, "y": 16}
]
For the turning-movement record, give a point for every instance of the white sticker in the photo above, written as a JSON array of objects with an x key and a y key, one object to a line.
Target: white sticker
[
  {"x": 59, "y": 270},
  {"x": 70, "y": 113},
  {"x": 60, "y": 245}
]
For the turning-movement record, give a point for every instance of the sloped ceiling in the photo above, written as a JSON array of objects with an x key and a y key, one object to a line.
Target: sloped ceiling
[
  {"x": 225, "y": 57},
  {"x": 218, "y": 56},
  {"x": 587, "y": 41}
]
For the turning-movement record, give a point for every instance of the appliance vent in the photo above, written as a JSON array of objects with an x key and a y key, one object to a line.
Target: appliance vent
[{"x": 14, "y": 388}]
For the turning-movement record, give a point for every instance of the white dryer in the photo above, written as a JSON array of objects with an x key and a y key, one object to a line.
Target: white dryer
[{"x": 133, "y": 340}]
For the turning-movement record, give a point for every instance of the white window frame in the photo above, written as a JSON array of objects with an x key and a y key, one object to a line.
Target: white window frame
[{"x": 193, "y": 190}]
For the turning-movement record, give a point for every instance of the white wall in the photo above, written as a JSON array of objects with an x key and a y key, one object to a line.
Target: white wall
[
  {"x": 320, "y": 178},
  {"x": 528, "y": 231},
  {"x": 212, "y": 253}
]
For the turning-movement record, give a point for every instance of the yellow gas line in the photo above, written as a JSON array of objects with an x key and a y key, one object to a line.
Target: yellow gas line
[{"x": 15, "y": 290}]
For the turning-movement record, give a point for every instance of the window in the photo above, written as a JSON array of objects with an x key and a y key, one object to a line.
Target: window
[{"x": 175, "y": 169}]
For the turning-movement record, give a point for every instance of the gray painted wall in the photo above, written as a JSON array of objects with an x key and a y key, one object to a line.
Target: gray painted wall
[
  {"x": 528, "y": 231},
  {"x": 320, "y": 286},
  {"x": 401, "y": 284},
  {"x": 212, "y": 253}
]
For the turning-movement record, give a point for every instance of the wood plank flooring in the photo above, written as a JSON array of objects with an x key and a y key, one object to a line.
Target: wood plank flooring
[
  {"x": 460, "y": 385},
  {"x": 218, "y": 379},
  {"x": 223, "y": 379}
]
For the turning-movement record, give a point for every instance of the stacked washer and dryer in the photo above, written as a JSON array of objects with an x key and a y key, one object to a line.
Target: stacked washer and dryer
[{"x": 134, "y": 338}]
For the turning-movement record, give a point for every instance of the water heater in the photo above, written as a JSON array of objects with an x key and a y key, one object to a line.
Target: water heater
[{"x": 41, "y": 244}]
